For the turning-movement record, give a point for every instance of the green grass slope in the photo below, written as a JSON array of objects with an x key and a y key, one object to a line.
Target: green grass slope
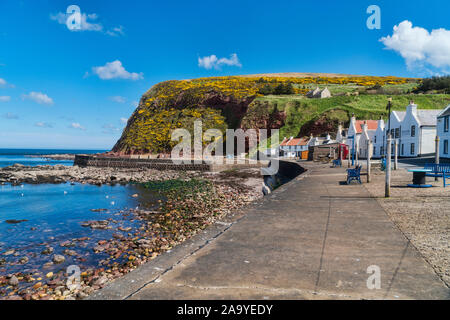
[{"x": 303, "y": 114}]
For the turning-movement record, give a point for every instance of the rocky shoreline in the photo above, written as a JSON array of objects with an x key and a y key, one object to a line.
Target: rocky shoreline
[
  {"x": 54, "y": 156},
  {"x": 182, "y": 215},
  {"x": 18, "y": 174}
]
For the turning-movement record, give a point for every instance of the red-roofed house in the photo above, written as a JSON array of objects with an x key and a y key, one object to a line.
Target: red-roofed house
[
  {"x": 293, "y": 147},
  {"x": 356, "y": 130}
]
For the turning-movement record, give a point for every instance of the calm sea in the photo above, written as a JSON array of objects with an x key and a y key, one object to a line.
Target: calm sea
[
  {"x": 46, "y": 215},
  {"x": 9, "y": 157}
]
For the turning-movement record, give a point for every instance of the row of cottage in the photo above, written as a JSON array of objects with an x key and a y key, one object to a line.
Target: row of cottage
[{"x": 414, "y": 131}]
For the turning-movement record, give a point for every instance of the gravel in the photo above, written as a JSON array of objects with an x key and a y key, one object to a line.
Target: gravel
[{"x": 422, "y": 214}]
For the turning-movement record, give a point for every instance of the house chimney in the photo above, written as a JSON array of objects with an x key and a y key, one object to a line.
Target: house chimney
[
  {"x": 364, "y": 127},
  {"x": 381, "y": 123},
  {"x": 412, "y": 108}
]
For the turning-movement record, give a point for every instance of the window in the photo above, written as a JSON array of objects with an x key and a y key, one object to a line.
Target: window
[
  {"x": 445, "y": 146},
  {"x": 374, "y": 150},
  {"x": 446, "y": 123},
  {"x": 403, "y": 148},
  {"x": 397, "y": 133},
  {"x": 375, "y": 139},
  {"x": 412, "y": 148},
  {"x": 392, "y": 133},
  {"x": 413, "y": 131},
  {"x": 381, "y": 150}
]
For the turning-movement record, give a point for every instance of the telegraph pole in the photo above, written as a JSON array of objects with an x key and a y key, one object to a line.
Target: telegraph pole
[
  {"x": 388, "y": 108},
  {"x": 387, "y": 189}
]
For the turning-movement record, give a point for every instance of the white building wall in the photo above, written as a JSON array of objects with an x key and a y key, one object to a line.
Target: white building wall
[
  {"x": 428, "y": 136},
  {"x": 443, "y": 136}
]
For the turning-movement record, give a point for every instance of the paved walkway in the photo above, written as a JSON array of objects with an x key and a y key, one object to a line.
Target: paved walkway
[{"x": 311, "y": 239}]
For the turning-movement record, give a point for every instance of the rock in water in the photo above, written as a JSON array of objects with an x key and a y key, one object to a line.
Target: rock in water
[
  {"x": 57, "y": 258},
  {"x": 48, "y": 250},
  {"x": 14, "y": 221}
]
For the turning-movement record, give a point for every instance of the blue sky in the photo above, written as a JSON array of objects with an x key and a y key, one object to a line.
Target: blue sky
[{"x": 53, "y": 95}]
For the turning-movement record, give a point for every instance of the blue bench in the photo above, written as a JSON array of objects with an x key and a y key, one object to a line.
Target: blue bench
[
  {"x": 354, "y": 174},
  {"x": 441, "y": 170},
  {"x": 337, "y": 163}
]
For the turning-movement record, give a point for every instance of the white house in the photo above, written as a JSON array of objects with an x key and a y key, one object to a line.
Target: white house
[
  {"x": 318, "y": 93},
  {"x": 293, "y": 147},
  {"x": 366, "y": 136},
  {"x": 341, "y": 134},
  {"x": 414, "y": 130},
  {"x": 379, "y": 140},
  {"x": 355, "y": 131},
  {"x": 443, "y": 132}
]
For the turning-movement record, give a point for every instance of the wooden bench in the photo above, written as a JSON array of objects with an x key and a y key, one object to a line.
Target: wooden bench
[
  {"x": 354, "y": 174},
  {"x": 441, "y": 170}
]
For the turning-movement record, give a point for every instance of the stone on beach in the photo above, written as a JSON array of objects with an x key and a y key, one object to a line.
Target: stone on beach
[{"x": 13, "y": 281}]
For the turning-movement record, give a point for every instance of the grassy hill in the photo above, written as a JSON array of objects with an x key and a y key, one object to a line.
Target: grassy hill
[
  {"x": 249, "y": 102},
  {"x": 301, "y": 113}
]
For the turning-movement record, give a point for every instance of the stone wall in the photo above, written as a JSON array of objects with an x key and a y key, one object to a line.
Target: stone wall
[{"x": 159, "y": 164}]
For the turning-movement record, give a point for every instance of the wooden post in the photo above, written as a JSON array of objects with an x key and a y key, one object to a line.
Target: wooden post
[
  {"x": 436, "y": 156},
  {"x": 369, "y": 147},
  {"x": 387, "y": 190},
  {"x": 395, "y": 154},
  {"x": 341, "y": 154}
]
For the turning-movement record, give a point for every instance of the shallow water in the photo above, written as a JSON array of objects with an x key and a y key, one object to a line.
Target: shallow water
[{"x": 54, "y": 214}]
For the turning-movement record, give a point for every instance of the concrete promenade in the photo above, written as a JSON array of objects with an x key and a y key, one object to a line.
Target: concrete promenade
[{"x": 313, "y": 238}]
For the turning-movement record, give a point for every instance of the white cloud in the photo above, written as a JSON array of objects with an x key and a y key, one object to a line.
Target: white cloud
[
  {"x": 118, "y": 99},
  {"x": 10, "y": 116},
  {"x": 43, "y": 125},
  {"x": 76, "y": 125},
  {"x": 4, "y": 83},
  {"x": 210, "y": 62},
  {"x": 87, "y": 21},
  {"x": 117, "y": 31},
  {"x": 123, "y": 120},
  {"x": 38, "y": 97},
  {"x": 5, "y": 98},
  {"x": 419, "y": 47},
  {"x": 115, "y": 70},
  {"x": 110, "y": 128}
]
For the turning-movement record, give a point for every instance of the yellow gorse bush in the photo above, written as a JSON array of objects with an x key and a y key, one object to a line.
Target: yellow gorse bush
[{"x": 156, "y": 117}]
